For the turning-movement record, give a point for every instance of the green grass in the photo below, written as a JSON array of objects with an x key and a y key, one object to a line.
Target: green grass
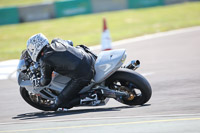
[{"x": 86, "y": 29}]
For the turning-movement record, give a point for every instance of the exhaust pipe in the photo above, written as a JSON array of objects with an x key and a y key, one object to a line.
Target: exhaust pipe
[{"x": 134, "y": 64}]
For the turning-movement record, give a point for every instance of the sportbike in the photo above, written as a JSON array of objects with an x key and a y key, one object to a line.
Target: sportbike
[{"x": 112, "y": 80}]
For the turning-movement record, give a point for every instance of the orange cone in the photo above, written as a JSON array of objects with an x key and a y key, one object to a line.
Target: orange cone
[{"x": 106, "y": 39}]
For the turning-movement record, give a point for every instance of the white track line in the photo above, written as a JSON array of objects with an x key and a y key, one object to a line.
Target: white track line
[
  {"x": 7, "y": 68},
  {"x": 147, "y": 74},
  {"x": 100, "y": 118}
]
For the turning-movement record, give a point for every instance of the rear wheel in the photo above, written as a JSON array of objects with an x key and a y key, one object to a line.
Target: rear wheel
[{"x": 133, "y": 83}]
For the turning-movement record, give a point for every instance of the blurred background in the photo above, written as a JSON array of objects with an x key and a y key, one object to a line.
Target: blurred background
[{"x": 81, "y": 20}]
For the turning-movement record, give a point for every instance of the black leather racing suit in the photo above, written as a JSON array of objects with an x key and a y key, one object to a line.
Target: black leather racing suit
[{"x": 74, "y": 62}]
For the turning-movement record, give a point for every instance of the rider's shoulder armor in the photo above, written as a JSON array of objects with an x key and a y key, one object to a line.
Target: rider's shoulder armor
[{"x": 59, "y": 45}]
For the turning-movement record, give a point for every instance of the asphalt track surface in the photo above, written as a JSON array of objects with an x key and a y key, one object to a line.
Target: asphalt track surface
[{"x": 171, "y": 64}]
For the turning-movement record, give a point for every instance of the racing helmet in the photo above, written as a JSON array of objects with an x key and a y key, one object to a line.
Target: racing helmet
[{"x": 35, "y": 44}]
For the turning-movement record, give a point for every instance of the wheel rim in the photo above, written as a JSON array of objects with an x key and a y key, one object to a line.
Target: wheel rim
[
  {"x": 41, "y": 101},
  {"x": 36, "y": 100},
  {"x": 135, "y": 94}
]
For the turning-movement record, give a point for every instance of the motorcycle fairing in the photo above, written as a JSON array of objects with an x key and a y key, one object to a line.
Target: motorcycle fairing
[{"x": 107, "y": 63}]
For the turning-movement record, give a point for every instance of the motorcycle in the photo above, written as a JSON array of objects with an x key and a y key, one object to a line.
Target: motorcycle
[{"x": 112, "y": 80}]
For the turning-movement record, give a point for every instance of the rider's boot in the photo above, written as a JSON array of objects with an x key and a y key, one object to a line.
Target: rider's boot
[{"x": 68, "y": 96}]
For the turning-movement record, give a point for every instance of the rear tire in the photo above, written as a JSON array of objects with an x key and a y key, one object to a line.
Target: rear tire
[{"x": 133, "y": 82}]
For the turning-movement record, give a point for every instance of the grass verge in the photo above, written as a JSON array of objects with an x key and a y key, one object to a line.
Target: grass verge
[{"x": 86, "y": 29}]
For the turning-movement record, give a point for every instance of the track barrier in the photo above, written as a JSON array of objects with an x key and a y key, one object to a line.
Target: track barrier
[{"x": 13, "y": 15}]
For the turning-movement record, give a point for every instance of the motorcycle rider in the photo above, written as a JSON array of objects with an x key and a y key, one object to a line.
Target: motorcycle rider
[{"x": 60, "y": 56}]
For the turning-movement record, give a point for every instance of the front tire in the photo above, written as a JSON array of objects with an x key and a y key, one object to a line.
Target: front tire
[
  {"x": 35, "y": 101},
  {"x": 133, "y": 83}
]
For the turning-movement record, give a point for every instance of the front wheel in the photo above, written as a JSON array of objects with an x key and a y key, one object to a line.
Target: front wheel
[
  {"x": 133, "y": 83},
  {"x": 36, "y": 101}
]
